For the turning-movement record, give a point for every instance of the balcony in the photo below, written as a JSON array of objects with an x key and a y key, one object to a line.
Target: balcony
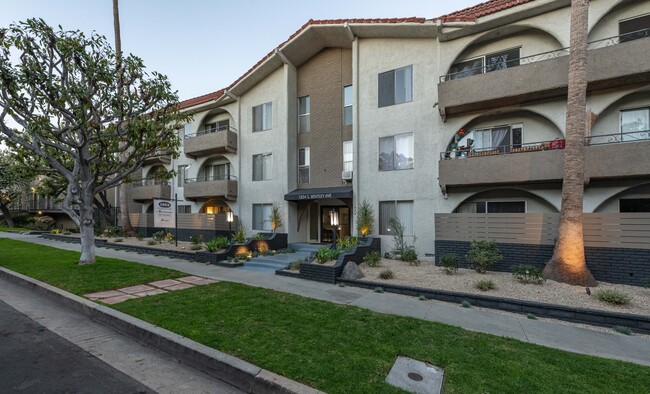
[
  {"x": 211, "y": 187},
  {"x": 160, "y": 158},
  {"x": 612, "y": 62},
  {"x": 614, "y": 156},
  {"x": 146, "y": 190},
  {"x": 210, "y": 141}
]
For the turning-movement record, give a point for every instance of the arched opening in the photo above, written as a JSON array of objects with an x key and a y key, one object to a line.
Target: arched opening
[
  {"x": 626, "y": 119},
  {"x": 625, "y": 21},
  {"x": 499, "y": 133},
  {"x": 215, "y": 206},
  {"x": 633, "y": 199},
  {"x": 156, "y": 175},
  {"x": 216, "y": 120},
  {"x": 216, "y": 168},
  {"x": 506, "y": 47},
  {"x": 505, "y": 200}
]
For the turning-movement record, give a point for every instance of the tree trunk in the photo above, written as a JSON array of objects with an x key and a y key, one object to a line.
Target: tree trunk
[
  {"x": 86, "y": 225},
  {"x": 124, "y": 197},
  {"x": 568, "y": 264},
  {"x": 7, "y": 215}
]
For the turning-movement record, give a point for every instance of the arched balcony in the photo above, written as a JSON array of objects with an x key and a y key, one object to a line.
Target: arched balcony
[
  {"x": 153, "y": 185},
  {"x": 214, "y": 181},
  {"x": 215, "y": 135}
]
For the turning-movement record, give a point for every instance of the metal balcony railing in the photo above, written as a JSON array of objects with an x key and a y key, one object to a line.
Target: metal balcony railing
[
  {"x": 210, "y": 130},
  {"x": 150, "y": 182},
  {"x": 211, "y": 178},
  {"x": 632, "y": 136},
  {"x": 605, "y": 42},
  {"x": 503, "y": 149}
]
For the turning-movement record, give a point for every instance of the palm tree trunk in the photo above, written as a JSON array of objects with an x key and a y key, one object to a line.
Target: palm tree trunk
[
  {"x": 568, "y": 263},
  {"x": 124, "y": 193}
]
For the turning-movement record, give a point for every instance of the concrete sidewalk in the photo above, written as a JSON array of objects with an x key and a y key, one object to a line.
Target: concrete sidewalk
[{"x": 574, "y": 339}]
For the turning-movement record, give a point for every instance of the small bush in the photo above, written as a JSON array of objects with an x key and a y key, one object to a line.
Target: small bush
[
  {"x": 259, "y": 236},
  {"x": 295, "y": 265},
  {"x": 139, "y": 236},
  {"x": 196, "y": 247},
  {"x": 379, "y": 290},
  {"x": 372, "y": 258},
  {"x": 410, "y": 255},
  {"x": 152, "y": 242},
  {"x": 325, "y": 254},
  {"x": 196, "y": 239},
  {"x": 112, "y": 231},
  {"x": 449, "y": 263},
  {"x": 531, "y": 316},
  {"x": 614, "y": 297},
  {"x": 422, "y": 297},
  {"x": 347, "y": 242},
  {"x": 386, "y": 274},
  {"x": 466, "y": 304},
  {"x": 169, "y": 237},
  {"x": 158, "y": 236},
  {"x": 285, "y": 251},
  {"x": 341, "y": 284},
  {"x": 525, "y": 273},
  {"x": 239, "y": 236},
  {"x": 216, "y": 243},
  {"x": 622, "y": 330},
  {"x": 482, "y": 255},
  {"x": 241, "y": 256},
  {"x": 485, "y": 285}
]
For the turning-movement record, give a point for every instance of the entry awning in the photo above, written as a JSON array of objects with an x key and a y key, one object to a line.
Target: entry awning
[{"x": 319, "y": 193}]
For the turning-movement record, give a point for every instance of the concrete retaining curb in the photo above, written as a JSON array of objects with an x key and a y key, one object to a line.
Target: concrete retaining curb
[{"x": 241, "y": 374}]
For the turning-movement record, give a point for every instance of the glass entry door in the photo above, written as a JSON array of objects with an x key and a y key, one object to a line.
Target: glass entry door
[{"x": 342, "y": 230}]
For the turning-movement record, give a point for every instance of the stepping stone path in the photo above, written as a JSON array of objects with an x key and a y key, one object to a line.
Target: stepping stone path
[{"x": 150, "y": 289}]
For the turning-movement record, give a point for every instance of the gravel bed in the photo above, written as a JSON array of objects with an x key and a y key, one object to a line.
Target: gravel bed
[{"x": 428, "y": 275}]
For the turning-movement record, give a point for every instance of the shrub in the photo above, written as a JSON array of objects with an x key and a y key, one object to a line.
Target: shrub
[
  {"x": 531, "y": 316},
  {"x": 259, "y": 236},
  {"x": 169, "y": 237},
  {"x": 112, "y": 231},
  {"x": 285, "y": 250},
  {"x": 275, "y": 218},
  {"x": 372, "y": 258},
  {"x": 295, "y": 265},
  {"x": 347, "y": 242},
  {"x": 139, "y": 236},
  {"x": 466, "y": 304},
  {"x": 386, "y": 274},
  {"x": 196, "y": 247},
  {"x": 365, "y": 218},
  {"x": 485, "y": 285},
  {"x": 152, "y": 242},
  {"x": 196, "y": 239},
  {"x": 410, "y": 255},
  {"x": 622, "y": 330},
  {"x": 341, "y": 284},
  {"x": 449, "y": 263},
  {"x": 42, "y": 223},
  {"x": 422, "y": 297},
  {"x": 379, "y": 290},
  {"x": 525, "y": 273},
  {"x": 239, "y": 236},
  {"x": 325, "y": 254},
  {"x": 241, "y": 256},
  {"x": 482, "y": 255},
  {"x": 397, "y": 228},
  {"x": 614, "y": 297},
  {"x": 158, "y": 236},
  {"x": 216, "y": 243}
]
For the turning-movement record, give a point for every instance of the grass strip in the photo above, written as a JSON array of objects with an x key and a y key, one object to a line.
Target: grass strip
[
  {"x": 344, "y": 349},
  {"x": 61, "y": 268}
]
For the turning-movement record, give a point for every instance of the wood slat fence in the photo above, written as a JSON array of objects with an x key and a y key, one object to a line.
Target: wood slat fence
[
  {"x": 190, "y": 221},
  {"x": 604, "y": 230}
]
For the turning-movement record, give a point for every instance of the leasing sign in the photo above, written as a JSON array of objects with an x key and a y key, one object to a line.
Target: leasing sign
[{"x": 164, "y": 215}]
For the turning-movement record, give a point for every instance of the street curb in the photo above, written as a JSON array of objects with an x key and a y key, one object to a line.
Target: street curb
[{"x": 234, "y": 371}]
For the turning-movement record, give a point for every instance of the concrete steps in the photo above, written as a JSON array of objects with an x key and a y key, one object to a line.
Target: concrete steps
[{"x": 270, "y": 264}]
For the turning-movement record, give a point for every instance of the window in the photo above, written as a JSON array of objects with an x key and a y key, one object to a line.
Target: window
[
  {"x": 634, "y": 28},
  {"x": 187, "y": 130},
  {"x": 347, "y": 105},
  {"x": 497, "y": 136},
  {"x": 184, "y": 209},
  {"x": 303, "y": 166},
  {"x": 217, "y": 172},
  {"x": 635, "y": 124},
  {"x": 261, "y": 213},
  {"x": 215, "y": 126},
  {"x": 182, "y": 174},
  {"x": 262, "y": 166},
  {"x": 402, "y": 210},
  {"x": 348, "y": 156},
  {"x": 304, "y": 109},
  {"x": 396, "y": 86},
  {"x": 493, "y": 207},
  {"x": 263, "y": 117},
  {"x": 634, "y": 204},
  {"x": 485, "y": 64},
  {"x": 396, "y": 152}
]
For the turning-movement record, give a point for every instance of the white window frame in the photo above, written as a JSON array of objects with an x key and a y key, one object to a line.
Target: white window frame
[
  {"x": 267, "y": 160},
  {"x": 407, "y": 86},
  {"x": 304, "y": 117},
  {"x": 265, "y": 219},
  {"x": 393, "y": 166},
  {"x": 266, "y": 113},
  {"x": 483, "y": 68},
  {"x": 182, "y": 175},
  {"x": 348, "y": 150},
  {"x": 304, "y": 165},
  {"x": 634, "y": 135},
  {"x": 398, "y": 206},
  {"x": 348, "y": 107}
]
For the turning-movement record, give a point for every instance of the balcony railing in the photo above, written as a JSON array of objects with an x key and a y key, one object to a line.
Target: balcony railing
[
  {"x": 210, "y": 130},
  {"x": 503, "y": 149},
  {"x": 149, "y": 182},
  {"x": 633, "y": 136},
  {"x": 605, "y": 42},
  {"x": 211, "y": 178}
]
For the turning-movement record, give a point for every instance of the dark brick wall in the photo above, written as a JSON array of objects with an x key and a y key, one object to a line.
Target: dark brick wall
[
  {"x": 614, "y": 265},
  {"x": 184, "y": 234}
]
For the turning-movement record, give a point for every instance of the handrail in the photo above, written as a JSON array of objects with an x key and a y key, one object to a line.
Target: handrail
[
  {"x": 503, "y": 149},
  {"x": 149, "y": 182},
  {"x": 210, "y": 131},
  {"x": 602, "y": 43},
  {"x": 632, "y": 136},
  {"x": 211, "y": 178}
]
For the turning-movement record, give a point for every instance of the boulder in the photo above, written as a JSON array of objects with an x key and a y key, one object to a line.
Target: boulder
[{"x": 352, "y": 271}]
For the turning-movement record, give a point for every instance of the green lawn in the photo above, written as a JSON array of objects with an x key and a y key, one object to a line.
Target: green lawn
[
  {"x": 5, "y": 229},
  {"x": 60, "y": 268},
  {"x": 336, "y": 348}
]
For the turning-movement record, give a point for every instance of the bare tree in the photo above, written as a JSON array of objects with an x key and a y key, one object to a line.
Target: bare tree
[
  {"x": 568, "y": 263},
  {"x": 61, "y": 88}
]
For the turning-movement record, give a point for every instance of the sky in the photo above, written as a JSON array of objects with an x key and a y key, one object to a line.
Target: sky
[{"x": 201, "y": 45}]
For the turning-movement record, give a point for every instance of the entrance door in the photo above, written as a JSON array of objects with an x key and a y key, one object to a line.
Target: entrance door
[
  {"x": 343, "y": 229},
  {"x": 313, "y": 222}
]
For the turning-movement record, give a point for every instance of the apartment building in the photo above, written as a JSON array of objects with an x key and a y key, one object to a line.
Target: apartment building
[{"x": 463, "y": 113}]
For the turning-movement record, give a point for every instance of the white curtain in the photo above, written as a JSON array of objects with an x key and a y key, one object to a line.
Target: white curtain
[
  {"x": 404, "y": 147},
  {"x": 482, "y": 139},
  {"x": 635, "y": 120},
  {"x": 498, "y": 135},
  {"x": 404, "y": 212}
]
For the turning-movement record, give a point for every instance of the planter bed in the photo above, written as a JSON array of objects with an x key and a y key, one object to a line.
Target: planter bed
[{"x": 580, "y": 315}]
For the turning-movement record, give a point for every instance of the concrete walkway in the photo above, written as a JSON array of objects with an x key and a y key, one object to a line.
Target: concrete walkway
[{"x": 574, "y": 339}]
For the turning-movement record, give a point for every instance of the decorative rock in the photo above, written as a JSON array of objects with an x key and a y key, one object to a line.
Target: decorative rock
[{"x": 352, "y": 271}]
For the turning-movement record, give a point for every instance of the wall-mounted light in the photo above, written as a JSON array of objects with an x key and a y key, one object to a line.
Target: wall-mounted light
[
  {"x": 230, "y": 217},
  {"x": 334, "y": 217}
]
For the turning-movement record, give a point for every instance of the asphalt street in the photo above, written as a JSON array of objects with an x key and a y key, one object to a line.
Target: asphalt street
[{"x": 36, "y": 360}]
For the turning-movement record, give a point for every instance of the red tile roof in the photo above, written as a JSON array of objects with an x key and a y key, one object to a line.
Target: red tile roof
[
  {"x": 489, "y": 7},
  {"x": 201, "y": 99}
]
